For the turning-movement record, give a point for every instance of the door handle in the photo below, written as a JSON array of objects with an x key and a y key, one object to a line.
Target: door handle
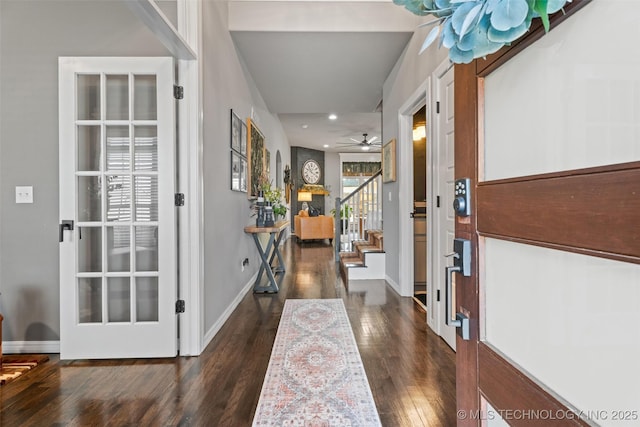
[
  {"x": 65, "y": 224},
  {"x": 461, "y": 321}
]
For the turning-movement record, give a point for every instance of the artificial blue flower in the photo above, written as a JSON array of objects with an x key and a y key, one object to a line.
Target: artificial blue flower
[{"x": 476, "y": 28}]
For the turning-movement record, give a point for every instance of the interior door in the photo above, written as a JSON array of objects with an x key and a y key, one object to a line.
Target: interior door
[
  {"x": 117, "y": 217},
  {"x": 555, "y": 273},
  {"x": 444, "y": 182}
]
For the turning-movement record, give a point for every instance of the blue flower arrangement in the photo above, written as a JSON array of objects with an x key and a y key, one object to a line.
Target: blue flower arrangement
[{"x": 476, "y": 28}]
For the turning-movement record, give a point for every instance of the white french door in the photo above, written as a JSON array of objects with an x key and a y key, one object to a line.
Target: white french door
[
  {"x": 444, "y": 224},
  {"x": 117, "y": 233}
]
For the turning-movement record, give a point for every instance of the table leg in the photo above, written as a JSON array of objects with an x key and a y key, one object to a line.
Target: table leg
[
  {"x": 276, "y": 252},
  {"x": 265, "y": 267}
]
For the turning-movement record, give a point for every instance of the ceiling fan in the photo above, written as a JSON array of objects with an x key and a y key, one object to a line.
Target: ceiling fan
[{"x": 365, "y": 145}]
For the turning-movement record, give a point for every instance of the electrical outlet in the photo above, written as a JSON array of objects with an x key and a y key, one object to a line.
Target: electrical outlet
[
  {"x": 244, "y": 263},
  {"x": 24, "y": 194}
]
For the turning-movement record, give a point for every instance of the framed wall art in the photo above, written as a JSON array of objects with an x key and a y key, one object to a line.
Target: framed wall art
[
  {"x": 255, "y": 158},
  {"x": 238, "y": 172},
  {"x": 389, "y": 161},
  {"x": 238, "y": 134},
  {"x": 267, "y": 163}
]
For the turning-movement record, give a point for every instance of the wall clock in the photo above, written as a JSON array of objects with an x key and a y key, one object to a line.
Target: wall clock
[{"x": 311, "y": 172}]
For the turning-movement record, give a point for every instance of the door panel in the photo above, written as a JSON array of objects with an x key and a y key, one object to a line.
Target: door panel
[
  {"x": 445, "y": 217},
  {"x": 560, "y": 221},
  {"x": 536, "y": 285},
  {"x": 572, "y": 319},
  {"x": 117, "y": 169}
]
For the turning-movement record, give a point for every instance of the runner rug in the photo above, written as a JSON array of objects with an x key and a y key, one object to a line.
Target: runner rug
[
  {"x": 315, "y": 375},
  {"x": 15, "y": 365}
]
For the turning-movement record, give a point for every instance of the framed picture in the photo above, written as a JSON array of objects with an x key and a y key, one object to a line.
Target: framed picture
[
  {"x": 238, "y": 134},
  {"x": 238, "y": 172},
  {"x": 255, "y": 158},
  {"x": 267, "y": 163},
  {"x": 389, "y": 161}
]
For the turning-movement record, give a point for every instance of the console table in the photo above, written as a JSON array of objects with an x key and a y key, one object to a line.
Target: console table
[{"x": 268, "y": 254}]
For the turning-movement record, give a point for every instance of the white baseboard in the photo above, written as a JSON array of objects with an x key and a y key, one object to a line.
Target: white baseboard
[
  {"x": 18, "y": 347},
  {"x": 211, "y": 333},
  {"x": 393, "y": 284}
]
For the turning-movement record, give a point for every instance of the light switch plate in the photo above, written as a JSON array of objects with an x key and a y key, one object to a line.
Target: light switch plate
[{"x": 24, "y": 194}]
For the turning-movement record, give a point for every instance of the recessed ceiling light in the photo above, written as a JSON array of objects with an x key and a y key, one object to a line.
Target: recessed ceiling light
[
  {"x": 304, "y": 126},
  {"x": 332, "y": 117},
  {"x": 326, "y": 145}
]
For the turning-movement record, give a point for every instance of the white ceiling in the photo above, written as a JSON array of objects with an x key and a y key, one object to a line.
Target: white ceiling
[{"x": 338, "y": 66}]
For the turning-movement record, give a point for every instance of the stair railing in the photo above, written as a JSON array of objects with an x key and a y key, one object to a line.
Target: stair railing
[{"x": 359, "y": 211}]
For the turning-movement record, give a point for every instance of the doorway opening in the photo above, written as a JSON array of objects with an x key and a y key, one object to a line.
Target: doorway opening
[{"x": 420, "y": 208}]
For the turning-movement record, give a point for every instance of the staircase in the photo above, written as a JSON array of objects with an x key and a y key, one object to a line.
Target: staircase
[
  {"x": 366, "y": 261},
  {"x": 359, "y": 239}
]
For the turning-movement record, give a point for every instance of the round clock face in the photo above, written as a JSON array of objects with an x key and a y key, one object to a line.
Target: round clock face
[{"x": 311, "y": 172}]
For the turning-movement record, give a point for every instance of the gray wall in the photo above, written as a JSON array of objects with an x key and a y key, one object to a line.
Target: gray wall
[
  {"x": 33, "y": 34},
  {"x": 299, "y": 155},
  {"x": 227, "y": 85},
  {"x": 408, "y": 74},
  {"x": 332, "y": 175}
]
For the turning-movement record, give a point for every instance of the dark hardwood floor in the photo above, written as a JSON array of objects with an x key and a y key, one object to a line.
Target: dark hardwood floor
[{"x": 411, "y": 371}]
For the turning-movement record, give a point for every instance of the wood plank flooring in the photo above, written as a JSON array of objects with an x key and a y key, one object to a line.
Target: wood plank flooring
[{"x": 411, "y": 371}]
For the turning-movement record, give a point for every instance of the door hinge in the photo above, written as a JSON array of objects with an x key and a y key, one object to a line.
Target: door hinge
[
  {"x": 179, "y": 199},
  {"x": 437, "y": 107},
  {"x": 180, "y": 306},
  {"x": 438, "y": 295},
  {"x": 178, "y": 92},
  {"x": 437, "y": 201}
]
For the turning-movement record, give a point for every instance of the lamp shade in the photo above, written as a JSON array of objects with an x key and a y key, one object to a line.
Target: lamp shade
[{"x": 305, "y": 196}]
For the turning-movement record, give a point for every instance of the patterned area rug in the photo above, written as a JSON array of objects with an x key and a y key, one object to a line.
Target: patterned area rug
[
  {"x": 315, "y": 375},
  {"x": 15, "y": 365}
]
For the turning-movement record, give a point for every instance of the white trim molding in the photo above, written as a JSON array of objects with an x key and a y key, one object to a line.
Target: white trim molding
[{"x": 19, "y": 347}]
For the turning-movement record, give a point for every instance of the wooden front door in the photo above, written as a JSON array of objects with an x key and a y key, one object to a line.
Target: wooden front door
[{"x": 554, "y": 229}]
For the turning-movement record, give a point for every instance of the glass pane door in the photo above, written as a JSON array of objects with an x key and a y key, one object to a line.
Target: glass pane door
[
  {"x": 117, "y": 192},
  {"x": 117, "y": 171}
]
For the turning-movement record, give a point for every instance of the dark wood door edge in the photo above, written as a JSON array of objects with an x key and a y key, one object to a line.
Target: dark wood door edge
[{"x": 521, "y": 400}]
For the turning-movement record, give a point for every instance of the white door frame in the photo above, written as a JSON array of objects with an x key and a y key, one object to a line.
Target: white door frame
[
  {"x": 185, "y": 43},
  {"x": 190, "y": 181},
  {"x": 419, "y": 98},
  {"x": 436, "y": 260}
]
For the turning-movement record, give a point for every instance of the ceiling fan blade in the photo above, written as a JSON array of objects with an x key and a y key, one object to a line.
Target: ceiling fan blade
[
  {"x": 372, "y": 139},
  {"x": 355, "y": 140}
]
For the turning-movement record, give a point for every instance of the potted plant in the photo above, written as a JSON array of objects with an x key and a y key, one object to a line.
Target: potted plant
[
  {"x": 345, "y": 212},
  {"x": 274, "y": 196}
]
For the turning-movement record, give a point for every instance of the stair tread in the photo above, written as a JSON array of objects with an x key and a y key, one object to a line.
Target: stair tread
[
  {"x": 353, "y": 264},
  {"x": 370, "y": 249}
]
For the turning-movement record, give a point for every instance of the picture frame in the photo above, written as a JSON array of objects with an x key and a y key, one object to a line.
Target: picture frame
[
  {"x": 238, "y": 134},
  {"x": 238, "y": 172},
  {"x": 267, "y": 163},
  {"x": 255, "y": 159},
  {"x": 389, "y": 161}
]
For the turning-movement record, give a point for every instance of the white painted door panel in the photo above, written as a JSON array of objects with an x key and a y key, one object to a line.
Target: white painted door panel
[
  {"x": 444, "y": 177},
  {"x": 117, "y": 169}
]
